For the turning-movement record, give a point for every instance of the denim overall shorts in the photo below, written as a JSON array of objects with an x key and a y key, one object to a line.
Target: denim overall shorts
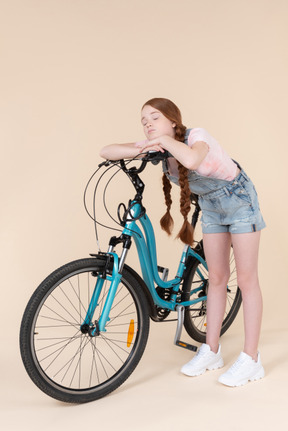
[{"x": 227, "y": 206}]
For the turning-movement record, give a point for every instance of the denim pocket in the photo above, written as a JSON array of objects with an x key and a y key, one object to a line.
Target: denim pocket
[{"x": 241, "y": 193}]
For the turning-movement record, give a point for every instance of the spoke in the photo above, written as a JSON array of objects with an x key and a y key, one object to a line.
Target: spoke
[
  {"x": 70, "y": 359},
  {"x": 64, "y": 293},
  {"x": 114, "y": 341},
  {"x": 57, "y": 326},
  {"x": 63, "y": 340},
  {"x": 98, "y": 355},
  {"x": 120, "y": 314},
  {"x": 69, "y": 362},
  {"x": 121, "y": 324},
  {"x": 77, "y": 296},
  {"x": 104, "y": 357},
  {"x": 232, "y": 279},
  {"x": 119, "y": 347},
  {"x": 199, "y": 282},
  {"x": 78, "y": 286},
  {"x": 61, "y": 305},
  {"x": 101, "y": 301},
  {"x": 56, "y": 320},
  {"x": 117, "y": 303},
  {"x": 88, "y": 290},
  {"x": 78, "y": 365},
  {"x": 93, "y": 362},
  {"x": 60, "y": 350}
]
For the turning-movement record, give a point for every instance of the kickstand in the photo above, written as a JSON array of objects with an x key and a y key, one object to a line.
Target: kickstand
[{"x": 180, "y": 312}]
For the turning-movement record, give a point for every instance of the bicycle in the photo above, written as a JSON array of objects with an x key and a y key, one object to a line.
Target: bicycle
[{"x": 85, "y": 328}]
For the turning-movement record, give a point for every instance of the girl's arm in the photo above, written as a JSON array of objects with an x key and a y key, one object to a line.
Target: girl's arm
[
  {"x": 119, "y": 151},
  {"x": 127, "y": 151},
  {"x": 189, "y": 157}
]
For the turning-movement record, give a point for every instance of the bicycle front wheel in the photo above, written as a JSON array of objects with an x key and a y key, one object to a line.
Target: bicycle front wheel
[
  {"x": 196, "y": 285},
  {"x": 67, "y": 364}
]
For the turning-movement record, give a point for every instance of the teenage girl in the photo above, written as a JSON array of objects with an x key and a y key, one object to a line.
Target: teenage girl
[{"x": 230, "y": 215}]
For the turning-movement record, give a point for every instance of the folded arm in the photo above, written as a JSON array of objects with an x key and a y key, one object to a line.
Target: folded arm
[
  {"x": 119, "y": 151},
  {"x": 189, "y": 157}
]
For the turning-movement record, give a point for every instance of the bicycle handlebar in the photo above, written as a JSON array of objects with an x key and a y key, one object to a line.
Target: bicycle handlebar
[{"x": 154, "y": 157}]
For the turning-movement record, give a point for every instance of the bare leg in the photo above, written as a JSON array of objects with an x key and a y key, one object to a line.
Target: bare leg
[
  {"x": 217, "y": 252},
  {"x": 246, "y": 247}
]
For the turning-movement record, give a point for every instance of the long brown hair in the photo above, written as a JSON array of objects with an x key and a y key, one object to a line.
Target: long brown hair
[{"x": 172, "y": 112}]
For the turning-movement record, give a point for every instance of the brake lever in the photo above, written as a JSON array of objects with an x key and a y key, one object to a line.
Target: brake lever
[
  {"x": 156, "y": 156},
  {"x": 108, "y": 162}
]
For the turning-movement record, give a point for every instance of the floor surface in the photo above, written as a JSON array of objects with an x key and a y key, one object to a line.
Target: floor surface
[{"x": 157, "y": 396}]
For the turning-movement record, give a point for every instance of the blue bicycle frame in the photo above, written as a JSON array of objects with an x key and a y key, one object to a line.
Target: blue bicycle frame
[{"x": 146, "y": 248}]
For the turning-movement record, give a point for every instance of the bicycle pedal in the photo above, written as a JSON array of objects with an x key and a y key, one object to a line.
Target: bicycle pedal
[{"x": 186, "y": 345}]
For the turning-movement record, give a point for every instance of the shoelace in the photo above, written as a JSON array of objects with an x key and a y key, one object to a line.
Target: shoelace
[
  {"x": 200, "y": 354},
  {"x": 237, "y": 365}
]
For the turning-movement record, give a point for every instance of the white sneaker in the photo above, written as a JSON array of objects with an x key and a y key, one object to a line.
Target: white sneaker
[
  {"x": 204, "y": 360},
  {"x": 245, "y": 369}
]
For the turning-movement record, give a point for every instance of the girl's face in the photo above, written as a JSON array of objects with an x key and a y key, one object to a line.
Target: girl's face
[{"x": 155, "y": 124}]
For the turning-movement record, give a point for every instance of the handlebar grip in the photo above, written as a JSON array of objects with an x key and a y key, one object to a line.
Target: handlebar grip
[
  {"x": 156, "y": 156},
  {"x": 152, "y": 156}
]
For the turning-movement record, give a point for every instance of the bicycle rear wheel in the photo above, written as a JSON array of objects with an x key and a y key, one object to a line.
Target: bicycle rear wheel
[
  {"x": 195, "y": 285},
  {"x": 67, "y": 364}
]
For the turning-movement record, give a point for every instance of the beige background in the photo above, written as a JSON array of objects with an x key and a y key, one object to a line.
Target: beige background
[{"x": 74, "y": 75}]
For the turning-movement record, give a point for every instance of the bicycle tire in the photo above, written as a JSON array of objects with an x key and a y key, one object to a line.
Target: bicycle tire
[
  {"x": 195, "y": 316},
  {"x": 62, "y": 361}
]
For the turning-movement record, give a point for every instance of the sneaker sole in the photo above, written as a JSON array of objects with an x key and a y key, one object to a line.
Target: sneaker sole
[
  {"x": 254, "y": 378},
  {"x": 216, "y": 366}
]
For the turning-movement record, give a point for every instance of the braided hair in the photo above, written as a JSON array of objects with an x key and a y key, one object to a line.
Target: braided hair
[{"x": 172, "y": 112}]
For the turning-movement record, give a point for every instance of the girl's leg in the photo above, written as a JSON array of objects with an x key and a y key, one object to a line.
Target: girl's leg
[
  {"x": 246, "y": 247},
  {"x": 217, "y": 252}
]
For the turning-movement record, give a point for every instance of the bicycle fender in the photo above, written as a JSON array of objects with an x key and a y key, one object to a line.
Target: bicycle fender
[{"x": 150, "y": 302}]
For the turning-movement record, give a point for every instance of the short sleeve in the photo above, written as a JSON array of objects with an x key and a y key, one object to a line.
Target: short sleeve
[{"x": 198, "y": 134}]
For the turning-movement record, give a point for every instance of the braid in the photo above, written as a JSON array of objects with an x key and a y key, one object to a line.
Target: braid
[
  {"x": 186, "y": 231},
  {"x": 166, "y": 221},
  {"x": 172, "y": 112},
  {"x": 180, "y": 130}
]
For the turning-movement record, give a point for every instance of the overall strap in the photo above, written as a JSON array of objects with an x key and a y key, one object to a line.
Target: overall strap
[
  {"x": 187, "y": 136},
  {"x": 164, "y": 162}
]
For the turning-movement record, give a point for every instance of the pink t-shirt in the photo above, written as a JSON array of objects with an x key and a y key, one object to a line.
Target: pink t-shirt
[{"x": 217, "y": 163}]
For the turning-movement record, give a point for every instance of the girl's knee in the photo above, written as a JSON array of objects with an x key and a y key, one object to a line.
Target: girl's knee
[
  {"x": 219, "y": 278},
  {"x": 247, "y": 281}
]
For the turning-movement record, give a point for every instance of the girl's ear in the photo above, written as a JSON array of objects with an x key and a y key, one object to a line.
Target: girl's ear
[{"x": 173, "y": 124}]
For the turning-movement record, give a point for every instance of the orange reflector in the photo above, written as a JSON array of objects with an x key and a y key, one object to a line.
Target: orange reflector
[
  {"x": 182, "y": 344},
  {"x": 205, "y": 324},
  {"x": 130, "y": 334}
]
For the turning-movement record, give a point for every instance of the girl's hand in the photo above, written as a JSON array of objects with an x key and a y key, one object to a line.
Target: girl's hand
[
  {"x": 191, "y": 158},
  {"x": 153, "y": 145}
]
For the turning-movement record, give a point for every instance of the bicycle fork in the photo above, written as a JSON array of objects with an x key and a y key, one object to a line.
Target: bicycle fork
[{"x": 115, "y": 278}]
